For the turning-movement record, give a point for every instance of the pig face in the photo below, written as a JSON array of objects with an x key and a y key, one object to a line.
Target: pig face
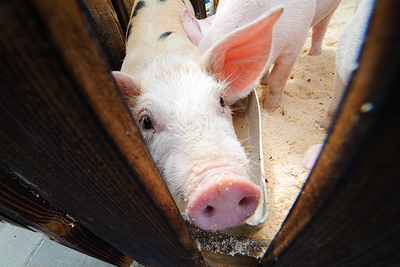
[
  {"x": 191, "y": 138},
  {"x": 187, "y": 125},
  {"x": 189, "y": 130}
]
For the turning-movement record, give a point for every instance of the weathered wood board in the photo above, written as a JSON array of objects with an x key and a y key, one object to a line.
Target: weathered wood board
[
  {"x": 67, "y": 134},
  {"x": 110, "y": 31},
  {"x": 199, "y": 8}
]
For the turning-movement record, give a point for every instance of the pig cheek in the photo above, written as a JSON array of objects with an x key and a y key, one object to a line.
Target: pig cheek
[
  {"x": 227, "y": 120},
  {"x": 177, "y": 174},
  {"x": 225, "y": 112},
  {"x": 148, "y": 137},
  {"x": 228, "y": 114},
  {"x": 170, "y": 161}
]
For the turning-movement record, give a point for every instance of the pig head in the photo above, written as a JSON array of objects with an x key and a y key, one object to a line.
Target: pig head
[
  {"x": 289, "y": 36},
  {"x": 177, "y": 96}
]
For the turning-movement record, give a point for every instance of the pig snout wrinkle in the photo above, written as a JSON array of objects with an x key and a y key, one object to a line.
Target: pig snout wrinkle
[{"x": 223, "y": 202}]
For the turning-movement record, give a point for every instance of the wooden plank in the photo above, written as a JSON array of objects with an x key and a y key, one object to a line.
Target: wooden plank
[
  {"x": 199, "y": 7},
  {"x": 9, "y": 220},
  {"x": 28, "y": 208},
  {"x": 68, "y": 135},
  {"x": 123, "y": 8},
  {"x": 216, "y": 2},
  {"x": 108, "y": 29},
  {"x": 348, "y": 211}
]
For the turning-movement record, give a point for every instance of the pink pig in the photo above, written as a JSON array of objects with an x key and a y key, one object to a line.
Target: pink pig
[
  {"x": 348, "y": 48},
  {"x": 289, "y": 36},
  {"x": 177, "y": 96}
]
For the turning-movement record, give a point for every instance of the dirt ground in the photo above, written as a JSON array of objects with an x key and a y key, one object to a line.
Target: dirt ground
[{"x": 294, "y": 126}]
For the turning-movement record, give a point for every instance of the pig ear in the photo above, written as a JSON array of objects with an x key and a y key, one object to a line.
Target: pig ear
[
  {"x": 191, "y": 27},
  {"x": 241, "y": 56},
  {"x": 128, "y": 85}
]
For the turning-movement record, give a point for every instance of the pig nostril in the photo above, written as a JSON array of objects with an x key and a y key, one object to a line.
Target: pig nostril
[
  {"x": 245, "y": 201},
  {"x": 208, "y": 211}
]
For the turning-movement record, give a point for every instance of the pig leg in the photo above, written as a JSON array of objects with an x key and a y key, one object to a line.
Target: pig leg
[
  {"x": 312, "y": 156},
  {"x": 265, "y": 78},
  {"x": 276, "y": 80},
  {"x": 318, "y": 33},
  {"x": 337, "y": 94}
]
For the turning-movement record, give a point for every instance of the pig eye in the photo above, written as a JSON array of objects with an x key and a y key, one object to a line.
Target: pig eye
[
  {"x": 221, "y": 101},
  {"x": 146, "y": 122}
]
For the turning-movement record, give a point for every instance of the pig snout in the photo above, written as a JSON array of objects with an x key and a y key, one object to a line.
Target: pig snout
[{"x": 222, "y": 200}]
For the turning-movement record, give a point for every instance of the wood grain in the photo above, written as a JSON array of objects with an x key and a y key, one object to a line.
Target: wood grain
[
  {"x": 348, "y": 211},
  {"x": 216, "y": 2},
  {"x": 21, "y": 205},
  {"x": 123, "y": 8},
  {"x": 109, "y": 30},
  {"x": 199, "y": 7},
  {"x": 66, "y": 133}
]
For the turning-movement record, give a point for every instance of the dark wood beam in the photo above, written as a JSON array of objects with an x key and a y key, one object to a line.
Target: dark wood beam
[
  {"x": 23, "y": 207},
  {"x": 68, "y": 135},
  {"x": 199, "y": 7},
  {"x": 110, "y": 31}
]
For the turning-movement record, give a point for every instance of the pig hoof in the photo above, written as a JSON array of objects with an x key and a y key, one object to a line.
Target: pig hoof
[
  {"x": 314, "y": 53},
  {"x": 326, "y": 121},
  {"x": 271, "y": 103},
  {"x": 311, "y": 156},
  {"x": 315, "y": 50},
  {"x": 223, "y": 202}
]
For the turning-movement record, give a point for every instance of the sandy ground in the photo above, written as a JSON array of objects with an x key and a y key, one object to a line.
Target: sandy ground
[{"x": 294, "y": 126}]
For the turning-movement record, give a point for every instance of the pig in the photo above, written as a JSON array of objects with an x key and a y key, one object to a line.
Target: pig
[
  {"x": 289, "y": 36},
  {"x": 176, "y": 95},
  {"x": 347, "y": 52},
  {"x": 348, "y": 48}
]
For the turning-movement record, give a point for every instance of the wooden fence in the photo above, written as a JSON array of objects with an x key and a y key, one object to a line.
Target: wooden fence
[{"x": 73, "y": 164}]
